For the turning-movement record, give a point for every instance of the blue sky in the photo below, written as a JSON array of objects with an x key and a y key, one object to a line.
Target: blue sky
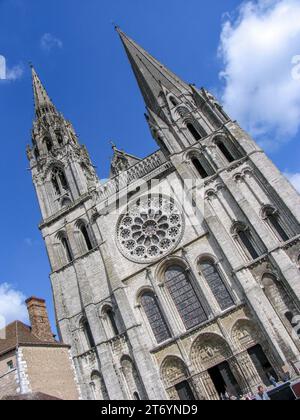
[{"x": 81, "y": 61}]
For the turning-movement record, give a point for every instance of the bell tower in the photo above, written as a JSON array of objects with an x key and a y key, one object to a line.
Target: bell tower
[
  {"x": 61, "y": 168},
  {"x": 178, "y": 114}
]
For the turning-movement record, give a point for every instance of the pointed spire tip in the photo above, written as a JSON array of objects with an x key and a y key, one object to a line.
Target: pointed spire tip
[{"x": 116, "y": 26}]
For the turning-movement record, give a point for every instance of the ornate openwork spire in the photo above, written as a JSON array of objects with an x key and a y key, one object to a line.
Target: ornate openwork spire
[{"x": 42, "y": 100}]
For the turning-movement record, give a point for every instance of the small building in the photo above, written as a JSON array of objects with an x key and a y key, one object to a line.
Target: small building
[{"x": 32, "y": 362}]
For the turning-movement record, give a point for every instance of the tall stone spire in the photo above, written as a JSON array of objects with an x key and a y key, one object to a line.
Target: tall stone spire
[
  {"x": 151, "y": 75},
  {"x": 41, "y": 97}
]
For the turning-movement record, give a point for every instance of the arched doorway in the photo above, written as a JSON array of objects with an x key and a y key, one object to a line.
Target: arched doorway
[
  {"x": 255, "y": 359},
  {"x": 177, "y": 380},
  {"x": 212, "y": 356}
]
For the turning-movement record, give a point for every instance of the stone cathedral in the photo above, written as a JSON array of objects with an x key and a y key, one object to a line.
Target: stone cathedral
[{"x": 157, "y": 301}]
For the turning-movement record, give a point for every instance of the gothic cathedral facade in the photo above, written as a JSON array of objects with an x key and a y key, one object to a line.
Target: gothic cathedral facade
[{"x": 156, "y": 300}]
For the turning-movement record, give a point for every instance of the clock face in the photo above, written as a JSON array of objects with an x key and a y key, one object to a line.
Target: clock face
[{"x": 151, "y": 229}]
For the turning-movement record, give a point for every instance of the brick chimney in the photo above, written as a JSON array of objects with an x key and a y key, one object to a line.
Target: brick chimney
[{"x": 40, "y": 325}]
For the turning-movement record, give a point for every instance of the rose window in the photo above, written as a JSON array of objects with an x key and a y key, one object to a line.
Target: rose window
[{"x": 150, "y": 229}]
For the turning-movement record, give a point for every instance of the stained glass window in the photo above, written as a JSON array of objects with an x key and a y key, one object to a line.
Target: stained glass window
[
  {"x": 185, "y": 297},
  {"x": 155, "y": 317},
  {"x": 216, "y": 284}
]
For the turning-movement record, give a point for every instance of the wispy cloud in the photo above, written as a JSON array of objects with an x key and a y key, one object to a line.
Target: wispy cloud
[
  {"x": 15, "y": 72},
  {"x": 31, "y": 242},
  {"x": 49, "y": 42},
  {"x": 10, "y": 73},
  {"x": 12, "y": 306},
  {"x": 259, "y": 48},
  {"x": 28, "y": 242},
  {"x": 294, "y": 179}
]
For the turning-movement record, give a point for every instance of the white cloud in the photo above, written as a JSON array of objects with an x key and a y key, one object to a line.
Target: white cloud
[
  {"x": 14, "y": 73},
  {"x": 12, "y": 306},
  {"x": 294, "y": 179},
  {"x": 48, "y": 42},
  {"x": 7, "y": 73},
  {"x": 259, "y": 48},
  {"x": 2, "y": 67}
]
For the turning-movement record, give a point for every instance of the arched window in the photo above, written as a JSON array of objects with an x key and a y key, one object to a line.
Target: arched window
[
  {"x": 136, "y": 396},
  {"x": 279, "y": 298},
  {"x": 59, "y": 137},
  {"x": 185, "y": 297},
  {"x": 212, "y": 116},
  {"x": 49, "y": 144},
  {"x": 202, "y": 166},
  {"x": 132, "y": 379},
  {"x": 243, "y": 234},
  {"x": 173, "y": 101},
  {"x": 66, "y": 202},
  {"x": 193, "y": 131},
  {"x": 56, "y": 185},
  {"x": 246, "y": 240},
  {"x": 67, "y": 248},
  {"x": 274, "y": 220},
  {"x": 110, "y": 319},
  {"x": 200, "y": 169},
  {"x": 36, "y": 152},
  {"x": 155, "y": 317},
  {"x": 59, "y": 181},
  {"x": 86, "y": 236},
  {"x": 226, "y": 152},
  {"x": 214, "y": 280},
  {"x": 89, "y": 342},
  {"x": 228, "y": 148},
  {"x": 63, "y": 180},
  {"x": 98, "y": 387}
]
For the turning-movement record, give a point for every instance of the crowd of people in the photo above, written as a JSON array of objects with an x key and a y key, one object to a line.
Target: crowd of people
[{"x": 261, "y": 395}]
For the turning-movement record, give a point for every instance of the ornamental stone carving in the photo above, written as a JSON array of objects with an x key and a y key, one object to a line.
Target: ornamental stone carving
[
  {"x": 151, "y": 228},
  {"x": 173, "y": 371},
  {"x": 245, "y": 334},
  {"x": 209, "y": 350}
]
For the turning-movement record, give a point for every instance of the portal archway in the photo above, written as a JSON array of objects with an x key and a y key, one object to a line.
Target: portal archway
[
  {"x": 176, "y": 378},
  {"x": 212, "y": 355}
]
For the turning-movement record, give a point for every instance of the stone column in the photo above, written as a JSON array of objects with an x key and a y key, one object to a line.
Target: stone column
[
  {"x": 209, "y": 386},
  {"x": 199, "y": 387},
  {"x": 245, "y": 368},
  {"x": 172, "y": 393}
]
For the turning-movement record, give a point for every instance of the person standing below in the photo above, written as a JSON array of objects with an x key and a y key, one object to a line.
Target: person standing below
[
  {"x": 273, "y": 381},
  {"x": 262, "y": 395}
]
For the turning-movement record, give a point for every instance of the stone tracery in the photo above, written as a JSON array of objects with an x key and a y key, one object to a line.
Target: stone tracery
[{"x": 151, "y": 228}]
